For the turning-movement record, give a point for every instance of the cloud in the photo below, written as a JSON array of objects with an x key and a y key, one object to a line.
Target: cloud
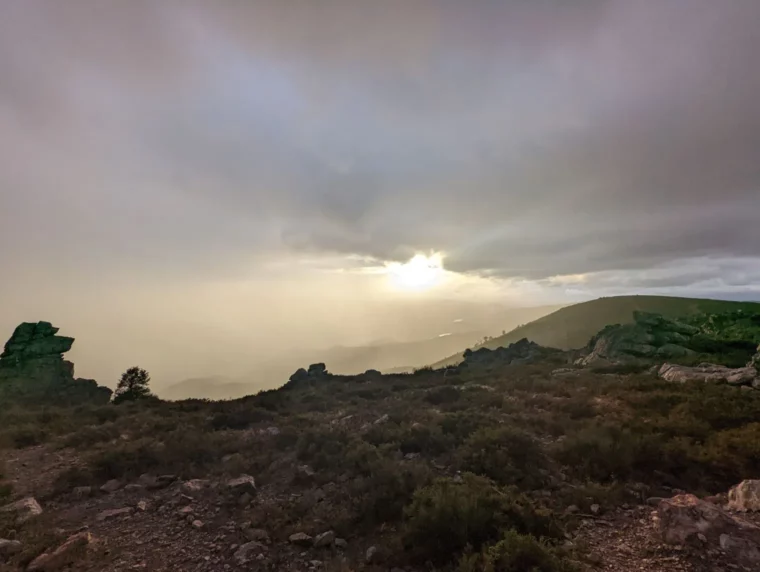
[{"x": 188, "y": 143}]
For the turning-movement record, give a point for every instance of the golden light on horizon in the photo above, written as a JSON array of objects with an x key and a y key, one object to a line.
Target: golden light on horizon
[{"x": 420, "y": 273}]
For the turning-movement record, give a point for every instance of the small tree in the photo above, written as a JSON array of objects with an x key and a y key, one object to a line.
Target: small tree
[{"x": 132, "y": 385}]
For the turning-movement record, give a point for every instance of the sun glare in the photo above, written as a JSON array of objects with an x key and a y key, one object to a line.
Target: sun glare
[{"x": 420, "y": 273}]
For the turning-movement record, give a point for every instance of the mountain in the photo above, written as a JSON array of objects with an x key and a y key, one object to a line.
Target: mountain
[
  {"x": 573, "y": 326},
  {"x": 458, "y": 325}
]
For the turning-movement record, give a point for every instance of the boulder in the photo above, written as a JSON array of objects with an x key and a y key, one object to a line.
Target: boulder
[
  {"x": 324, "y": 539},
  {"x": 301, "y": 539},
  {"x": 244, "y": 553},
  {"x": 688, "y": 521},
  {"x": 745, "y": 496},
  {"x": 316, "y": 372},
  {"x": 111, "y": 486},
  {"x": 755, "y": 361},
  {"x": 25, "y": 508},
  {"x": 32, "y": 369},
  {"x": 65, "y": 555},
  {"x": 9, "y": 548},
  {"x": 708, "y": 373},
  {"x": 242, "y": 484},
  {"x": 194, "y": 486}
]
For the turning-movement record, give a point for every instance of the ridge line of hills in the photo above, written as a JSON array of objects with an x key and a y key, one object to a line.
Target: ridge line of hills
[{"x": 573, "y": 326}]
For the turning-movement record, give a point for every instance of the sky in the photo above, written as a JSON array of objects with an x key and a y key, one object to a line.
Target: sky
[{"x": 184, "y": 182}]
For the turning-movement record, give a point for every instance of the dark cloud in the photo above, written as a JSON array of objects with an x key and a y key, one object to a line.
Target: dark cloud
[{"x": 523, "y": 139}]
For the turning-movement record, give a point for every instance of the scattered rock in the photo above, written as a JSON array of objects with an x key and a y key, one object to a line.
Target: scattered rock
[
  {"x": 9, "y": 547},
  {"x": 324, "y": 539},
  {"x": 111, "y": 486},
  {"x": 595, "y": 509},
  {"x": 114, "y": 513},
  {"x": 300, "y": 539},
  {"x": 133, "y": 487},
  {"x": 341, "y": 543},
  {"x": 185, "y": 511},
  {"x": 242, "y": 484},
  {"x": 708, "y": 373},
  {"x": 25, "y": 508},
  {"x": 244, "y": 552},
  {"x": 142, "y": 505},
  {"x": 565, "y": 372},
  {"x": 197, "y": 524},
  {"x": 194, "y": 486},
  {"x": 66, "y": 554},
  {"x": 371, "y": 554},
  {"x": 683, "y": 518},
  {"x": 745, "y": 496},
  {"x": 384, "y": 419}
]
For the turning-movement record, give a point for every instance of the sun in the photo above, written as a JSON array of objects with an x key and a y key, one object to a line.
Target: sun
[{"x": 420, "y": 273}]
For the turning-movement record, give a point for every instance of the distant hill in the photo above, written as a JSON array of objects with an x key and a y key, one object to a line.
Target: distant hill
[
  {"x": 458, "y": 326},
  {"x": 573, "y": 326}
]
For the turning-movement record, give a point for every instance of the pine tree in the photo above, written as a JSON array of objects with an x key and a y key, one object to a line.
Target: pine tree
[{"x": 132, "y": 385}]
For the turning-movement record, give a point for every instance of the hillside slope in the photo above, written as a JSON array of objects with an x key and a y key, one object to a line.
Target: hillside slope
[{"x": 573, "y": 326}]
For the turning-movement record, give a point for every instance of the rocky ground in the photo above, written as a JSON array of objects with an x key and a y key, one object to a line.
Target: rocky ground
[
  {"x": 324, "y": 475},
  {"x": 165, "y": 524}
]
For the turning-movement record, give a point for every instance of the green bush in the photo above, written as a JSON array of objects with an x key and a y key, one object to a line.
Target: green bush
[
  {"x": 240, "y": 418},
  {"x": 385, "y": 488},
  {"x": 517, "y": 552},
  {"x": 506, "y": 455},
  {"x": 443, "y": 395},
  {"x": 28, "y": 436},
  {"x": 449, "y": 516}
]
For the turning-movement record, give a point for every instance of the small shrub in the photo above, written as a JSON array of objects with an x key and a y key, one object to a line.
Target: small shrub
[
  {"x": 28, "y": 436},
  {"x": 86, "y": 437},
  {"x": 443, "y": 395},
  {"x": 517, "y": 552},
  {"x": 447, "y": 517},
  {"x": 240, "y": 419},
  {"x": 506, "y": 455}
]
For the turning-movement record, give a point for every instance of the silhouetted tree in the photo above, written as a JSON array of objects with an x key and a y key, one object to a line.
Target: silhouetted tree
[{"x": 132, "y": 385}]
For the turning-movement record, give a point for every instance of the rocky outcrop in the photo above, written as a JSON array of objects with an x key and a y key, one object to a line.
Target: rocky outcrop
[
  {"x": 32, "y": 369},
  {"x": 67, "y": 554},
  {"x": 521, "y": 352},
  {"x": 686, "y": 520},
  {"x": 24, "y": 509},
  {"x": 745, "y": 497},
  {"x": 709, "y": 373},
  {"x": 649, "y": 337},
  {"x": 316, "y": 372},
  {"x": 755, "y": 361}
]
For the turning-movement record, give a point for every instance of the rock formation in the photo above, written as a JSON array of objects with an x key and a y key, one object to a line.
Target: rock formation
[
  {"x": 32, "y": 368},
  {"x": 521, "y": 352},
  {"x": 745, "y": 497},
  {"x": 316, "y": 372},
  {"x": 687, "y": 520},
  {"x": 649, "y": 337},
  {"x": 708, "y": 372}
]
